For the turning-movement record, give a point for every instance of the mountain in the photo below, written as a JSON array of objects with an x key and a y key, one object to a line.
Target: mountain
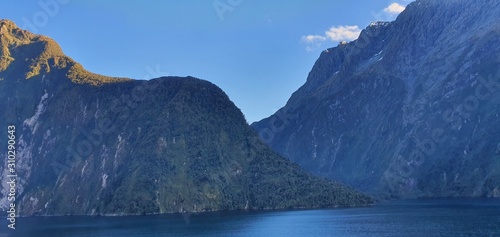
[
  {"x": 409, "y": 109},
  {"x": 88, "y": 144}
]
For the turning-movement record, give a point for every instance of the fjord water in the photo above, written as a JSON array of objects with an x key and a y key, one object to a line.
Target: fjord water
[{"x": 431, "y": 217}]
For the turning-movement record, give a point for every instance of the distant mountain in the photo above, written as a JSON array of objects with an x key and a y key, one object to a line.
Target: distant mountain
[
  {"x": 410, "y": 109},
  {"x": 87, "y": 144}
]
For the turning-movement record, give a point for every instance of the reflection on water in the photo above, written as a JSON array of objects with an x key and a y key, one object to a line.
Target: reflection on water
[{"x": 443, "y": 217}]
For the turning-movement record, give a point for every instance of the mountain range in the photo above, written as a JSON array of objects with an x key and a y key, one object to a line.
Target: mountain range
[
  {"x": 409, "y": 109},
  {"x": 87, "y": 144}
]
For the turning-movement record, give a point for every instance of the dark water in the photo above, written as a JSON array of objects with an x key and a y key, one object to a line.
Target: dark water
[{"x": 444, "y": 217}]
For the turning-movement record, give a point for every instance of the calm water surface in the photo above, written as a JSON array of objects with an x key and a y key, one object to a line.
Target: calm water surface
[{"x": 443, "y": 217}]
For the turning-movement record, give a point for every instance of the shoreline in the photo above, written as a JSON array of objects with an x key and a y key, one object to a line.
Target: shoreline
[{"x": 201, "y": 212}]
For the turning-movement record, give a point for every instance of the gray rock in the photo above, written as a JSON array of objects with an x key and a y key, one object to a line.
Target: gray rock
[{"x": 410, "y": 109}]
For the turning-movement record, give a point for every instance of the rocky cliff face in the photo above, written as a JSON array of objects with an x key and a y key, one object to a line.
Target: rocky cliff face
[
  {"x": 87, "y": 144},
  {"x": 409, "y": 109}
]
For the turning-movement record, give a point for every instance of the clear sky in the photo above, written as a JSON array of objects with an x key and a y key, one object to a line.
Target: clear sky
[{"x": 258, "y": 51}]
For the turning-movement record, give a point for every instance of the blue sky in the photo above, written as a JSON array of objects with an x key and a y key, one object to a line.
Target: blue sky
[{"x": 258, "y": 51}]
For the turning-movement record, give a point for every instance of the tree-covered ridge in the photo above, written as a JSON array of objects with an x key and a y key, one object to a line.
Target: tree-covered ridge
[
  {"x": 140, "y": 147},
  {"x": 37, "y": 55}
]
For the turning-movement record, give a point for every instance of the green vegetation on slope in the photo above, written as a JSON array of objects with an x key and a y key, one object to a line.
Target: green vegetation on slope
[{"x": 90, "y": 144}]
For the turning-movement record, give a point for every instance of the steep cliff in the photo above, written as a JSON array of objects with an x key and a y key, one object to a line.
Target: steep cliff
[{"x": 409, "y": 109}]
